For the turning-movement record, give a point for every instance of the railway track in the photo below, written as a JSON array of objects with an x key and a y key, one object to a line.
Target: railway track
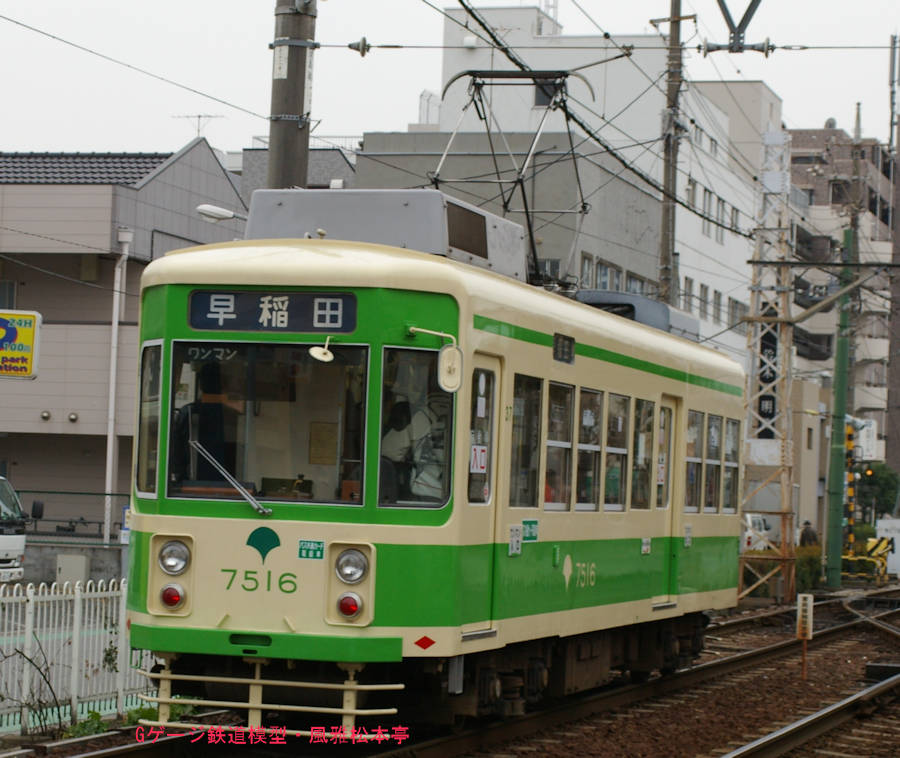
[
  {"x": 875, "y": 735},
  {"x": 554, "y": 730},
  {"x": 558, "y": 721}
]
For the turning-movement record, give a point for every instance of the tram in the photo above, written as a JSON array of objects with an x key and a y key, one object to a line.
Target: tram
[{"x": 385, "y": 481}]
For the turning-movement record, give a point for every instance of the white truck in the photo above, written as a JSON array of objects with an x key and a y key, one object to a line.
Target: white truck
[{"x": 12, "y": 532}]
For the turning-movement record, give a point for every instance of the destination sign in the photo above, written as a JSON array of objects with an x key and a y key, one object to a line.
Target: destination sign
[{"x": 273, "y": 311}]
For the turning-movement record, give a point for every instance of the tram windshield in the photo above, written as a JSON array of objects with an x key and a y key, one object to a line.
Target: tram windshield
[
  {"x": 284, "y": 425},
  {"x": 10, "y": 508}
]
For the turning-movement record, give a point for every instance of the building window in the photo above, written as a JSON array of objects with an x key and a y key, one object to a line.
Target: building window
[
  {"x": 704, "y": 301},
  {"x": 734, "y": 218},
  {"x": 635, "y": 285},
  {"x": 543, "y": 94},
  {"x": 692, "y": 193},
  {"x": 698, "y": 135},
  {"x": 687, "y": 302},
  {"x": 7, "y": 295},
  {"x": 707, "y": 212},
  {"x": 717, "y": 307},
  {"x": 736, "y": 313},
  {"x": 713, "y": 147},
  {"x": 720, "y": 218},
  {"x": 587, "y": 272},
  {"x": 840, "y": 192},
  {"x": 609, "y": 277}
]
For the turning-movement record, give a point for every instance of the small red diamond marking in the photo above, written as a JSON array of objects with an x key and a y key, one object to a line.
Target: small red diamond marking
[{"x": 424, "y": 642}]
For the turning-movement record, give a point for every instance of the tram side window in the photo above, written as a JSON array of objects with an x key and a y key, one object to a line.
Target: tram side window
[
  {"x": 148, "y": 421},
  {"x": 693, "y": 481},
  {"x": 416, "y": 428},
  {"x": 663, "y": 457},
  {"x": 732, "y": 465},
  {"x": 616, "y": 453},
  {"x": 526, "y": 440},
  {"x": 713, "y": 464},
  {"x": 480, "y": 436},
  {"x": 590, "y": 434},
  {"x": 558, "y": 468},
  {"x": 643, "y": 453}
]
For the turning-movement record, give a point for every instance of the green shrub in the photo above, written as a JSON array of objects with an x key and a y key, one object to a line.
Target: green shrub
[
  {"x": 809, "y": 568},
  {"x": 93, "y": 724},
  {"x": 136, "y": 714}
]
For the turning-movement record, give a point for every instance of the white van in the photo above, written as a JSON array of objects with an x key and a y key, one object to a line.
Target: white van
[
  {"x": 12, "y": 532},
  {"x": 757, "y": 528}
]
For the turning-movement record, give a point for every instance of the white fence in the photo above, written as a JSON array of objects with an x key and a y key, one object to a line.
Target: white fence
[{"x": 64, "y": 651}]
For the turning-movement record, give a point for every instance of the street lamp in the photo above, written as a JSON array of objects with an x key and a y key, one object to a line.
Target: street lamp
[{"x": 214, "y": 213}]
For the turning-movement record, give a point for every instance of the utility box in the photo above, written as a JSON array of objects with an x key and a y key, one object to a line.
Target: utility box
[{"x": 72, "y": 569}]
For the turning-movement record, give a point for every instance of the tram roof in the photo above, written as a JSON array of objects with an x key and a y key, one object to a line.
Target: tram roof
[{"x": 336, "y": 263}]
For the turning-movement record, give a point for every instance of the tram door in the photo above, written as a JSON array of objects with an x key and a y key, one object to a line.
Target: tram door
[
  {"x": 482, "y": 484},
  {"x": 665, "y": 445}
]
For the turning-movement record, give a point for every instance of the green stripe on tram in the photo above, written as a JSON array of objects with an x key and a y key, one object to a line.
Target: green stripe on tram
[{"x": 523, "y": 334}]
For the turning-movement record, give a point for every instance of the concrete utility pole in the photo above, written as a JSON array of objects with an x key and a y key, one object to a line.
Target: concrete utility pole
[
  {"x": 670, "y": 158},
  {"x": 295, "y": 28}
]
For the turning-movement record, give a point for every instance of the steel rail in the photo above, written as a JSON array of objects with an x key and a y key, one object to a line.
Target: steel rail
[
  {"x": 800, "y": 732},
  {"x": 582, "y": 707}
]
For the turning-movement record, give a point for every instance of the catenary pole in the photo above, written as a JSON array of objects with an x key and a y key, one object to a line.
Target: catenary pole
[
  {"x": 670, "y": 157},
  {"x": 295, "y": 26},
  {"x": 836, "y": 465}
]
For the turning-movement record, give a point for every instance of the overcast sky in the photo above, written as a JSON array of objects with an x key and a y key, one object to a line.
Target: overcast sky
[{"x": 56, "y": 97}]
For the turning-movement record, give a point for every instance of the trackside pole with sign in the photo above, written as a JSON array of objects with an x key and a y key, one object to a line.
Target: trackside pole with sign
[
  {"x": 19, "y": 336},
  {"x": 804, "y": 624}
]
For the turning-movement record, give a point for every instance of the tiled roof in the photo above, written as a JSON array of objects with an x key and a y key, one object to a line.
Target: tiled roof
[{"x": 78, "y": 168}]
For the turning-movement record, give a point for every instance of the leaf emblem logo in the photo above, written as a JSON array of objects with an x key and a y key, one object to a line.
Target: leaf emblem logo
[{"x": 263, "y": 540}]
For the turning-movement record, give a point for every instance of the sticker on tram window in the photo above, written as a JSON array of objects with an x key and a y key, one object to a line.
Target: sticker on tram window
[{"x": 273, "y": 311}]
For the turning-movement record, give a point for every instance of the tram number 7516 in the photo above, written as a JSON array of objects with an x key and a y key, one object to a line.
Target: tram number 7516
[
  {"x": 585, "y": 574},
  {"x": 251, "y": 581}
]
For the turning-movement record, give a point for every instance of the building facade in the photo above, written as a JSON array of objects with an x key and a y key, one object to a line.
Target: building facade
[{"x": 64, "y": 223}]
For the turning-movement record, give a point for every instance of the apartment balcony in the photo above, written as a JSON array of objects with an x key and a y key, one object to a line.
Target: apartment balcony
[
  {"x": 872, "y": 348},
  {"x": 867, "y": 396}
]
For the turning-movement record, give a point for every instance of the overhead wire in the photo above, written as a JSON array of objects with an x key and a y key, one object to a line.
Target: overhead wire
[{"x": 138, "y": 69}]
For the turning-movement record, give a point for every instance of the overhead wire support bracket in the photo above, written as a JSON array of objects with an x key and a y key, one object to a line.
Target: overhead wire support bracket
[{"x": 736, "y": 42}]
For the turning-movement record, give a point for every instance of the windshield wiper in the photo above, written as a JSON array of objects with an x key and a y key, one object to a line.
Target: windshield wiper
[{"x": 230, "y": 479}]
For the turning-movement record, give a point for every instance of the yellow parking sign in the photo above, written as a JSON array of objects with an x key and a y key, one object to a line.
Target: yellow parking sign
[{"x": 19, "y": 333}]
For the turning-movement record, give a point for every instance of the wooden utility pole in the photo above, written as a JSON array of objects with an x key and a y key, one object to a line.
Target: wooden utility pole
[
  {"x": 295, "y": 28},
  {"x": 667, "y": 290}
]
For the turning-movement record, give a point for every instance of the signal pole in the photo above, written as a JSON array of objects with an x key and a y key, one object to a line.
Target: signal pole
[{"x": 295, "y": 29}]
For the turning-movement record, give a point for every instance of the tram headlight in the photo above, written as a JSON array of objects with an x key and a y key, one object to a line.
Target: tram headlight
[
  {"x": 174, "y": 557},
  {"x": 351, "y": 566}
]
